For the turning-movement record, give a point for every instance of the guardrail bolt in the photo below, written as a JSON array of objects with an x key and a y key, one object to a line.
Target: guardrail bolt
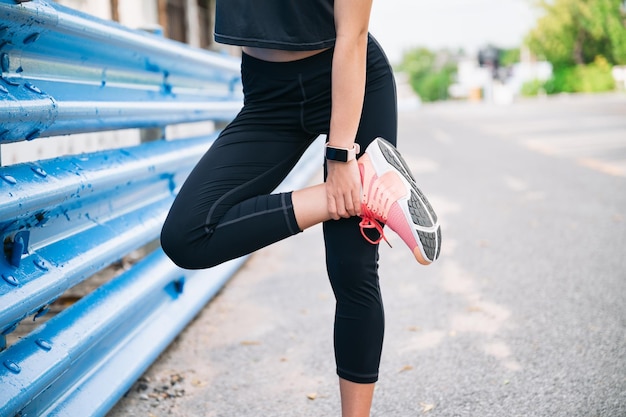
[
  {"x": 8, "y": 178},
  {"x": 41, "y": 264},
  {"x": 39, "y": 171},
  {"x": 33, "y": 88},
  {"x": 12, "y": 366},
  {"x": 33, "y": 135},
  {"x": 5, "y": 62},
  {"x": 31, "y": 38},
  {"x": 16, "y": 248},
  {"x": 11, "y": 280},
  {"x": 44, "y": 344}
]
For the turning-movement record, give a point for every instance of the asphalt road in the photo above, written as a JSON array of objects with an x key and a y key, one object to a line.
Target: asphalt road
[{"x": 523, "y": 315}]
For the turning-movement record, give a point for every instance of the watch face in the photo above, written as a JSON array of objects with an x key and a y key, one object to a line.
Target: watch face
[{"x": 337, "y": 154}]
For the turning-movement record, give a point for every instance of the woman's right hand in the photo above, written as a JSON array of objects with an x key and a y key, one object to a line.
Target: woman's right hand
[{"x": 343, "y": 189}]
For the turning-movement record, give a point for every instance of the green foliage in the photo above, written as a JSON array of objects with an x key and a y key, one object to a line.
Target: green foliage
[
  {"x": 582, "y": 39},
  {"x": 430, "y": 74},
  {"x": 595, "y": 77},
  {"x": 563, "y": 81},
  {"x": 433, "y": 86},
  {"x": 575, "y": 32},
  {"x": 532, "y": 88},
  {"x": 592, "y": 78},
  {"x": 509, "y": 57}
]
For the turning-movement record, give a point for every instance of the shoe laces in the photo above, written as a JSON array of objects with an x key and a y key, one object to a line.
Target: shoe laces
[{"x": 369, "y": 220}]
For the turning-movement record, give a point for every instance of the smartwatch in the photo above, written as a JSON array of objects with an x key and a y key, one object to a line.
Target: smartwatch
[{"x": 334, "y": 153}]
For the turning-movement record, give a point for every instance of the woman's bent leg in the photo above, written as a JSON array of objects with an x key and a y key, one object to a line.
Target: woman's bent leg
[{"x": 224, "y": 209}]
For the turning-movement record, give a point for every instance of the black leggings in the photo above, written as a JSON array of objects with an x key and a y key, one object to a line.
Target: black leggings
[{"x": 225, "y": 208}]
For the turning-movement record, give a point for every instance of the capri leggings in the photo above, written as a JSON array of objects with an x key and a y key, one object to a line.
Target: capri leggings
[{"x": 226, "y": 209}]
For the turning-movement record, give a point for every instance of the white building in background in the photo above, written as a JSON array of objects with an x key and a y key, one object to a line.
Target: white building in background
[
  {"x": 478, "y": 83},
  {"x": 472, "y": 80},
  {"x": 189, "y": 21},
  {"x": 619, "y": 73},
  {"x": 528, "y": 69}
]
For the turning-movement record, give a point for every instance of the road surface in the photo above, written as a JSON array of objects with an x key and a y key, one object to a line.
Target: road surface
[{"x": 523, "y": 315}]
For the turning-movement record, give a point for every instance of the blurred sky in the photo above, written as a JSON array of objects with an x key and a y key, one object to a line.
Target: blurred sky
[{"x": 470, "y": 24}]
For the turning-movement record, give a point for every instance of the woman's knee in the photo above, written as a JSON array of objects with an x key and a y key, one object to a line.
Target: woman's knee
[
  {"x": 172, "y": 243},
  {"x": 190, "y": 247},
  {"x": 175, "y": 243}
]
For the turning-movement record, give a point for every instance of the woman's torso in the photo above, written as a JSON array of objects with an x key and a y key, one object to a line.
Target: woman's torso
[{"x": 276, "y": 30}]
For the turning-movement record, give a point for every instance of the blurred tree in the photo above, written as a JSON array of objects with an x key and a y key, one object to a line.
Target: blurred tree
[
  {"x": 575, "y": 32},
  {"x": 509, "y": 57},
  {"x": 430, "y": 74}
]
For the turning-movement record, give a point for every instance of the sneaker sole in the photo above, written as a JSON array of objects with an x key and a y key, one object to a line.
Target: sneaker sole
[{"x": 415, "y": 206}]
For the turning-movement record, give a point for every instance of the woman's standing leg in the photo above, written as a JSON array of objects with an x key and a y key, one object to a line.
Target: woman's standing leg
[{"x": 352, "y": 262}]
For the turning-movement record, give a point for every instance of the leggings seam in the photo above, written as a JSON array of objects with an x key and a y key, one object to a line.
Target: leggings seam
[
  {"x": 285, "y": 208},
  {"x": 250, "y": 216},
  {"x": 302, "y": 103},
  {"x": 207, "y": 223}
]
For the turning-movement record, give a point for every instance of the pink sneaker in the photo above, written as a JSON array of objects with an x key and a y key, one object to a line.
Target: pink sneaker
[{"x": 391, "y": 196}]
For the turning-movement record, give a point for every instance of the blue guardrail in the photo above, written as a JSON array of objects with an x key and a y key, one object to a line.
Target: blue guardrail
[{"x": 64, "y": 219}]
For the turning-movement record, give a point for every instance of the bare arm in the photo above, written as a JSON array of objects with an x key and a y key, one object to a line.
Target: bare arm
[{"x": 348, "y": 84}]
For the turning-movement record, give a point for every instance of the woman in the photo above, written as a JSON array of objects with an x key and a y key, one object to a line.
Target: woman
[{"x": 309, "y": 68}]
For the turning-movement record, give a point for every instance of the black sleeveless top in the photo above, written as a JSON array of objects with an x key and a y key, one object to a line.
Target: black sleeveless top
[{"x": 293, "y": 25}]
